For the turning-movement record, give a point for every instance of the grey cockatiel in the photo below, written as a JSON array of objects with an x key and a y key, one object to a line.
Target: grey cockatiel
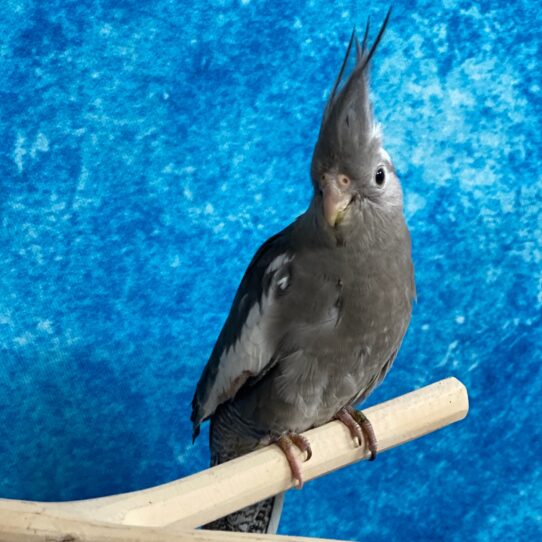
[{"x": 322, "y": 308}]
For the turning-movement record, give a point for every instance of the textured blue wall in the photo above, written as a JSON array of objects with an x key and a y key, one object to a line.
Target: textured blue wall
[{"x": 145, "y": 152}]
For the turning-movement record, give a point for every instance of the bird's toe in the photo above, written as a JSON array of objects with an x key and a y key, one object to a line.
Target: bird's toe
[
  {"x": 286, "y": 442},
  {"x": 360, "y": 428},
  {"x": 303, "y": 443}
]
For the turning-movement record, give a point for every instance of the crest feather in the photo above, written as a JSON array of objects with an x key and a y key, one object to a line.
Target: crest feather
[{"x": 347, "y": 123}]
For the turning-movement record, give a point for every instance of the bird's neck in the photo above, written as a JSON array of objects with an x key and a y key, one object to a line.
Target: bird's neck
[
  {"x": 367, "y": 229},
  {"x": 311, "y": 228}
]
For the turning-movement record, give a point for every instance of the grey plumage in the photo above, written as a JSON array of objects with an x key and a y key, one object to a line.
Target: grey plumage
[{"x": 323, "y": 307}]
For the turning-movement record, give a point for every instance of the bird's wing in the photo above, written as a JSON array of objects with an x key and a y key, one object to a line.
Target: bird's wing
[{"x": 244, "y": 348}]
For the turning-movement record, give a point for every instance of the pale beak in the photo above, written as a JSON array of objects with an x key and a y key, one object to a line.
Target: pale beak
[{"x": 335, "y": 198}]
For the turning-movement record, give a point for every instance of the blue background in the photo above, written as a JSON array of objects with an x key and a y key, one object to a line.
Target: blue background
[{"x": 147, "y": 149}]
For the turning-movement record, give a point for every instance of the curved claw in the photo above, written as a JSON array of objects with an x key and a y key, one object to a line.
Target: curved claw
[
  {"x": 302, "y": 443},
  {"x": 360, "y": 428},
  {"x": 286, "y": 443},
  {"x": 355, "y": 429}
]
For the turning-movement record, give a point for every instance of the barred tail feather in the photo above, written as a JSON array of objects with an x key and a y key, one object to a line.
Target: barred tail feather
[
  {"x": 262, "y": 517},
  {"x": 231, "y": 437}
]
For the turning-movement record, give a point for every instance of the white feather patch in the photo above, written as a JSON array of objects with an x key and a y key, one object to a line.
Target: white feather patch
[
  {"x": 385, "y": 155},
  {"x": 251, "y": 352},
  {"x": 278, "y": 262},
  {"x": 376, "y": 131}
]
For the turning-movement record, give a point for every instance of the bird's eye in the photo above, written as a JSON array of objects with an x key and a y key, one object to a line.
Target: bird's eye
[
  {"x": 344, "y": 181},
  {"x": 380, "y": 176}
]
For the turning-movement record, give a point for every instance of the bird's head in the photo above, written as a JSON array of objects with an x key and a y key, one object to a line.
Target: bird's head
[{"x": 350, "y": 167}]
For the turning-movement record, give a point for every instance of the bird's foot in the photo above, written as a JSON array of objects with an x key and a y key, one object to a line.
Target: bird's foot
[
  {"x": 360, "y": 428},
  {"x": 286, "y": 443}
]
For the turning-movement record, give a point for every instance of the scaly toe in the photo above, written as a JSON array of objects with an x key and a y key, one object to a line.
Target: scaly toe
[
  {"x": 286, "y": 443},
  {"x": 345, "y": 416},
  {"x": 302, "y": 443},
  {"x": 368, "y": 432},
  {"x": 360, "y": 429}
]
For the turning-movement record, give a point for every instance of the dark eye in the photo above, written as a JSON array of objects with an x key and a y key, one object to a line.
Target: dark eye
[{"x": 380, "y": 176}]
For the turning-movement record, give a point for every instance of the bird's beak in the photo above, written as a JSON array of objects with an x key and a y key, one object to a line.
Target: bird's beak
[{"x": 336, "y": 197}]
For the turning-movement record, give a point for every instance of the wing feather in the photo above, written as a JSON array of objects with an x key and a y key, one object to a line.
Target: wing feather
[{"x": 244, "y": 348}]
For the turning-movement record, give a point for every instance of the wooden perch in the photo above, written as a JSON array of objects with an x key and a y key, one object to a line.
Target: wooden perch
[
  {"x": 36, "y": 527},
  {"x": 210, "y": 494}
]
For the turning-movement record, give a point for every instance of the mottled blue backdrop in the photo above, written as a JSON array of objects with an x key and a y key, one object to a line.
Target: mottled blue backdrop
[{"x": 147, "y": 149}]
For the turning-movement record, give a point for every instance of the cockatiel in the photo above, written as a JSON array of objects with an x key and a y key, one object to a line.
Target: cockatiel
[{"x": 323, "y": 307}]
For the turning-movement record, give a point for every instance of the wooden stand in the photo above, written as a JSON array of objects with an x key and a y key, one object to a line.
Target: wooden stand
[{"x": 168, "y": 512}]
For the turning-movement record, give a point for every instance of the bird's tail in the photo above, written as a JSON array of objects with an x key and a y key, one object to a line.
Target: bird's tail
[
  {"x": 262, "y": 517},
  {"x": 230, "y": 438}
]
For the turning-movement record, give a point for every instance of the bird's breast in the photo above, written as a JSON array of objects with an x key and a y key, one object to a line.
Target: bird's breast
[
  {"x": 338, "y": 326},
  {"x": 357, "y": 312}
]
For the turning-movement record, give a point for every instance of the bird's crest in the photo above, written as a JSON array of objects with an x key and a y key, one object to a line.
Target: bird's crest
[{"x": 347, "y": 123}]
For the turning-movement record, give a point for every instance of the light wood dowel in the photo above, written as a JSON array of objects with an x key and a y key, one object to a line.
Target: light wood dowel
[
  {"x": 37, "y": 527},
  {"x": 210, "y": 494}
]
